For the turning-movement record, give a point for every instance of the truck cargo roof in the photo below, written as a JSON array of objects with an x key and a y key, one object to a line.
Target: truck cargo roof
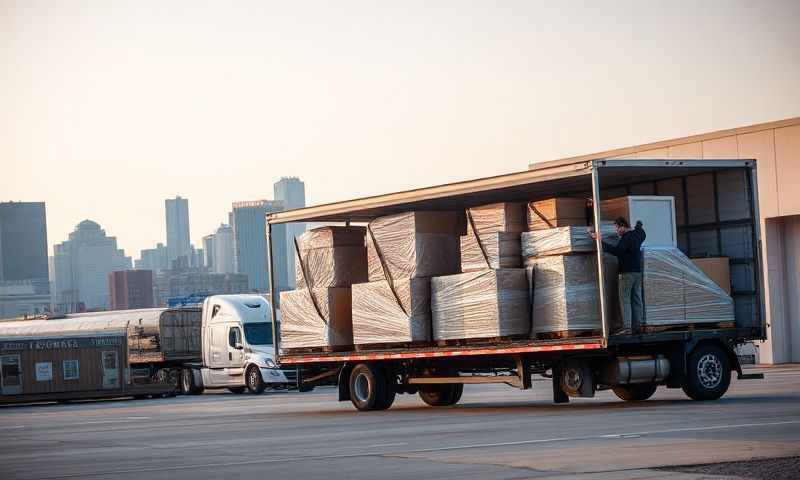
[{"x": 548, "y": 179}]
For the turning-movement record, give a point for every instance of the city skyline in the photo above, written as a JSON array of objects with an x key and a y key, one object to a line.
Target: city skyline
[{"x": 357, "y": 99}]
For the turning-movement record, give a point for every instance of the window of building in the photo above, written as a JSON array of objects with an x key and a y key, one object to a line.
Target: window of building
[{"x": 71, "y": 370}]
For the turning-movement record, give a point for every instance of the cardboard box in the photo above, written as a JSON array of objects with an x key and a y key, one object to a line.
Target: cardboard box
[
  {"x": 331, "y": 257},
  {"x": 556, "y": 212},
  {"x": 717, "y": 269},
  {"x": 562, "y": 241},
  {"x": 302, "y": 326},
  {"x": 482, "y": 304},
  {"x": 566, "y": 294},
  {"x": 677, "y": 292},
  {"x": 502, "y": 251},
  {"x": 378, "y": 317},
  {"x": 415, "y": 244}
]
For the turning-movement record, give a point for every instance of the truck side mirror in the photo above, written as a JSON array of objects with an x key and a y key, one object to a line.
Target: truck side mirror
[{"x": 238, "y": 346}]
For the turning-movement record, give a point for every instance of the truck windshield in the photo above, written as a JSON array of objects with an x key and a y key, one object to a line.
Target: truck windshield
[{"x": 258, "y": 333}]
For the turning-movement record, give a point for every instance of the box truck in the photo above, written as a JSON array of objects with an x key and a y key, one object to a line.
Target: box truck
[{"x": 718, "y": 219}]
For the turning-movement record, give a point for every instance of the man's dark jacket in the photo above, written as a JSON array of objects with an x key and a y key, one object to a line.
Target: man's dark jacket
[{"x": 628, "y": 250}]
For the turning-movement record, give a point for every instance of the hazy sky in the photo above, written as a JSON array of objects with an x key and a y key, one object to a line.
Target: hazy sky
[{"x": 109, "y": 107}]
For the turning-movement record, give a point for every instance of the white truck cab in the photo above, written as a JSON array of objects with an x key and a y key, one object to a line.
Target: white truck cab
[{"x": 237, "y": 347}]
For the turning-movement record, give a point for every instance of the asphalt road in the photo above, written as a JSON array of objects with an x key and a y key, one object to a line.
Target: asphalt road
[{"x": 495, "y": 433}]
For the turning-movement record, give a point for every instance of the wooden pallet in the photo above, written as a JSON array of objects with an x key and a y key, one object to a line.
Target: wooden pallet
[
  {"x": 687, "y": 326},
  {"x": 326, "y": 349},
  {"x": 479, "y": 341},
  {"x": 562, "y": 334},
  {"x": 365, "y": 347}
]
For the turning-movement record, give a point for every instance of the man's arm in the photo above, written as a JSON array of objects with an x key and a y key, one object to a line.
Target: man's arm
[{"x": 619, "y": 249}]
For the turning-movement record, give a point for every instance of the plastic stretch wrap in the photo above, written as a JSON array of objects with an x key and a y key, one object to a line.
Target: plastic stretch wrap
[
  {"x": 676, "y": 291},
  {"x": 377, "y": 317},
  {"x": 566, "y": 294},
  {"x": 556, "y": 212},
  {"x": 502, "y": 250},
  {"x": 483, "y": 304},
  {"x": 498, "y": 217},
  {"x": 563, "y": 240},
  {"x": 301, "y": 325},
  {"x": 332, "y": 257},
  {"x": 415, "y": 244}
]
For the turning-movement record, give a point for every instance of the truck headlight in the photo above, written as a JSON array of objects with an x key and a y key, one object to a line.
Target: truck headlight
[{"x": 269, "y": 363}]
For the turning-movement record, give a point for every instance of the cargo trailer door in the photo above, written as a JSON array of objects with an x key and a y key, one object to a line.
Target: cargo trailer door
[{"x": 110, "y": 364}]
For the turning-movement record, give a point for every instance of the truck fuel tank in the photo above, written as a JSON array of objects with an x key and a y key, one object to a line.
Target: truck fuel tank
[{"x": 635, "y": 369}]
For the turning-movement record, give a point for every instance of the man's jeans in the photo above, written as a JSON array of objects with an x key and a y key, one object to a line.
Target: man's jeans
[{"x": 630, "y": 299}]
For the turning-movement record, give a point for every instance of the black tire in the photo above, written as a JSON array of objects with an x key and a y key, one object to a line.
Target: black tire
[
  {"x": 708, "y": 373},
  {"x": 254, "y": 381},
  {"x": 391, "y": 390},
  {"x": 636, "y": 392},
  {"x": 188, "y": 386},
  {"x": 237, "y": 390},
  {"x": 443, "y": 395},
  {"x": 369, "y": 389}
]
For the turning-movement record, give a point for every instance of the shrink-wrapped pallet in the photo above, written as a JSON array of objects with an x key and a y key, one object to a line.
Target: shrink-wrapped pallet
[
  {"x": 415, "y": 244},
  {"x": 331, "y": 256},
  {"x": 303, "y": 327},
  {"x": 677, "y": 292},
  {"x": 498, "y": 217},
  {"x": 482, "y": 304},
  {"x": 502, "y": 250},
  {"x": 563, "y": 240},
  {"x": 556, "y": 212},
  {"x": 380, "y": 317},
  {"x": 566, "y": 294}
]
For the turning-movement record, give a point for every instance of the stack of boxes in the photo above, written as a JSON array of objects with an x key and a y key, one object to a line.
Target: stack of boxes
[
  {"x": 404, "y": 251},
  {"x": 318, "y": 315},
  {"x": 558, "y": 255},
  {"x": 490, "y": 299}
]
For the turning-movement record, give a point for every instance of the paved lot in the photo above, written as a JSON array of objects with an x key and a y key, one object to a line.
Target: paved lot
[{"x": 495, "y": 433}]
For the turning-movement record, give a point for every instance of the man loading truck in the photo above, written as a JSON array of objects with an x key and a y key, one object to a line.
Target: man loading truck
[{"x": 629, "y": 254}]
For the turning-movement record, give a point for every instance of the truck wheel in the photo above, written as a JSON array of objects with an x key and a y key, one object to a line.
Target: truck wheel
[
  {"x": 254, "y": 381},
  {"x": 708, "y": 373},
  {"x": 368, "y": 388},
  {"x": 187, "y": 383},
  {"x": 442, "y": 395},
  {"x": 237, "y": 390},
  {"x": 391, "y": 390},
  {"x": 635, "y": 392}
]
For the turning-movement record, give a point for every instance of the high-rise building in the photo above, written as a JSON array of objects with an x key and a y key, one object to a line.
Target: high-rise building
[
  {"x": 178, "y": 244},
  {"x": 154, "y": 259},
  {"x": 208, "y": 252},
  {"x": 224, "y": 250},
  {"x": 250, "y": 243},
  {"x": 131, "y": 289},
  {"x": 82, "y": 265},
  {"x": 291, "y": 191},
  {"x": 23, "y": 241},
  {"x": 24, "y": 272}
]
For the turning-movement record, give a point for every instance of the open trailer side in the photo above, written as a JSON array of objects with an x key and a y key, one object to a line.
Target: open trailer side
[{"x": 717, "y": 213}]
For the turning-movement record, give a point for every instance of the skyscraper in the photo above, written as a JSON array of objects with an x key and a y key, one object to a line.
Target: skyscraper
[
  {"x": 208, "y": 252},
  {"x": 23, "y": 241},
  {"x": 154, "y": 259},
  {"x": 250, "y": 243},
  {"x": 82, "y": 265},
  {"x": 292, "y": 192},
  {"x": 178, "y": 245},
  {"x": 24, "y": 282},
  {"x": 224, "y": 259}
]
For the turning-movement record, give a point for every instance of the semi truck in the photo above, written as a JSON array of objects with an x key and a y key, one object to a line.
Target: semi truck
[
  {"x": 224, "y": 343},
  {"x": 717, "y": 214}
]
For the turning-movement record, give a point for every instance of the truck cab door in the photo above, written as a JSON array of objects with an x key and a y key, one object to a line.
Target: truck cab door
[
  {"x": 218, "y": 346},
  {"x": 235, "y": 346}
]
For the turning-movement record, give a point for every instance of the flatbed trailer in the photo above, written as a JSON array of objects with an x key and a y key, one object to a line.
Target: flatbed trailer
[{"x": 697, "y": 358}]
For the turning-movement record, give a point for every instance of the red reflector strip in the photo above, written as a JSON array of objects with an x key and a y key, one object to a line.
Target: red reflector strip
[{"x": 348, "y": 357}]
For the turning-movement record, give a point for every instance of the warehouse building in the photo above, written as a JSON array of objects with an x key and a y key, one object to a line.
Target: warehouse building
[{"x": 776, "y": 148}]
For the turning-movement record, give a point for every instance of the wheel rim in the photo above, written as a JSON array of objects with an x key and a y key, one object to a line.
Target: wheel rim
[
  {"x": 361, "y": 388},
  {"x": 253, "y": 377},
  {"x": 186, "y": 384},
  {"x": 709, "y": 371},
  {"x": 572, "y": 379}
]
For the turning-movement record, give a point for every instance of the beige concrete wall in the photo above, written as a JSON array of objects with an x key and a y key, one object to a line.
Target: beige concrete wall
[{"x": 776, "y": 148}]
